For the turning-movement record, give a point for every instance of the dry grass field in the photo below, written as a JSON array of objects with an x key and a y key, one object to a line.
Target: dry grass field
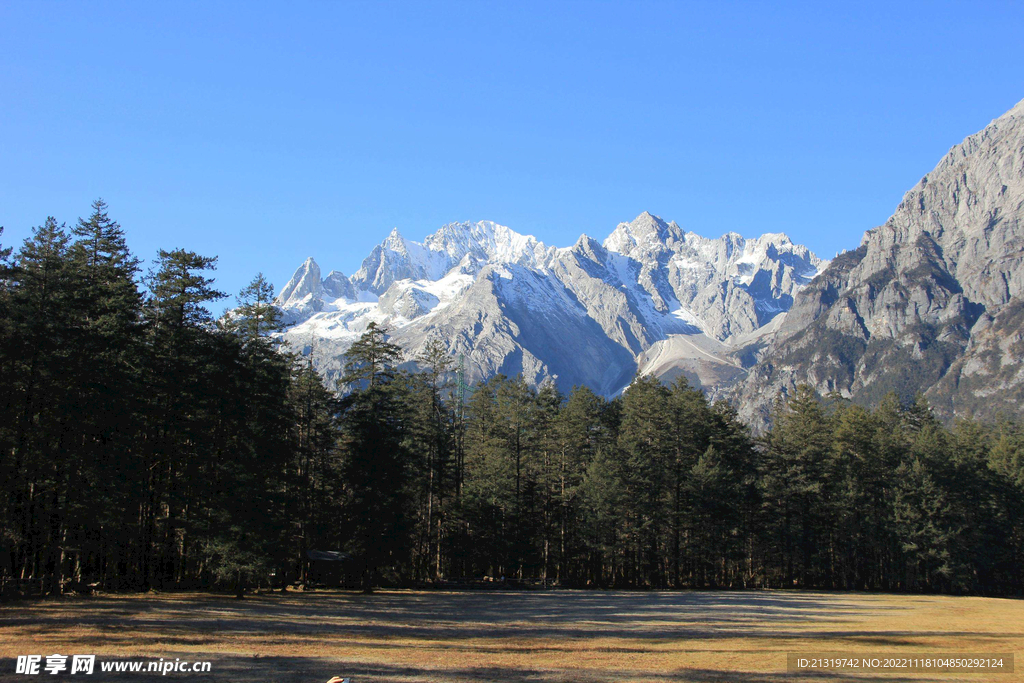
[{"x": 506, "y": 636}]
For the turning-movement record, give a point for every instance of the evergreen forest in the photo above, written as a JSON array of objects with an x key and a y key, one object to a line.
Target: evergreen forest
[{"x": 146, "y": 444}]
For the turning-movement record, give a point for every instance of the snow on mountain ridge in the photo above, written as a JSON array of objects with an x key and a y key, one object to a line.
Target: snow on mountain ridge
[
  {"x": 513, "y": 304},
  {"x": 397, "y": 258},
  {"x": 644, "y": 232},
  {"x": 488, "y": 241}
]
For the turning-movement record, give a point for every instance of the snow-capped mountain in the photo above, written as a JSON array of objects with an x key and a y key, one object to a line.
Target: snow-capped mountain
[
  {"x": 932, "y": 301},
  {"x": 650, "y": 297}
]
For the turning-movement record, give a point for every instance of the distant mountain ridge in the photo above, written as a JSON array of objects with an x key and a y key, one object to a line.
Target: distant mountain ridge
[
  {"x": 650, "y": 297},
  {"x": 932, "y": 301}
]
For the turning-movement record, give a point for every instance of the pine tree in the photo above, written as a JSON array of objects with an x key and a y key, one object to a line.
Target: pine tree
[
  {"x": 603, "y": 530},
  {"x": 180, "y": 291},
  {"x": 108, "y": 385},
  {"x": 793, "y": 484},
  {"x": 692, "y": 426},
  {"x": 109, "y": 296},
  {"x": 860, "y": 491},
  {"x": 432, "y": 438},
  {"x": 710, "y": 490},
  {"x": 1006, "y": 455},
  {"x": 488, "y": 492},
  {"x": 256, "y": 316},
  {"x": 45, "y": 331},
  {"x": 8, "y": 376},
  {"x": 645, "y": 440},
  {"x": 377, "y": 464},
  {"x": 581, "y": 432},
  {"x": 546, "y": 479},
  {"x": 183, "y": 404},
  {"x": 515, "y": 412},
  {"x": 731, "y": 439},
  {"x": 318, "y": 493}
]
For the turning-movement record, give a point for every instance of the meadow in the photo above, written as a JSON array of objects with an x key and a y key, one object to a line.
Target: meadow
[{"x": 509, "y": 636}]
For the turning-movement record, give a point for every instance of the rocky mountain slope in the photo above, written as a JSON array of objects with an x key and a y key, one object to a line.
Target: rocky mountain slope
[
  {"x": 931, "y": 301},
  {"x": 650, "y": 297}
]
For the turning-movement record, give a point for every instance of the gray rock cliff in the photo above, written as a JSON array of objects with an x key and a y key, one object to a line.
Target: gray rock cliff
[{"x": 930, "y": 302}]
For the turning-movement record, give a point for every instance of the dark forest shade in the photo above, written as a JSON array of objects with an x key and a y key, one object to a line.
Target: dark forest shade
[{"x": 145, "y": 445}]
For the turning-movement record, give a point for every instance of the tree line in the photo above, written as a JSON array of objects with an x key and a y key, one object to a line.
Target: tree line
[{"x": 145, "y": 444}]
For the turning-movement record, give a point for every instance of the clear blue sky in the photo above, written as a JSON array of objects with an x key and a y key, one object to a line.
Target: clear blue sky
[{"x": 266, "y": 133}]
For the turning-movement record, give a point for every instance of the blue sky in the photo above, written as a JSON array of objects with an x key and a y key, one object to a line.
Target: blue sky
[{"x": 266, "y": 133}]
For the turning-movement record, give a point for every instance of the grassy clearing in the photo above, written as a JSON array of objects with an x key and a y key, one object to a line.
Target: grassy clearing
[{"x": 511, "y": 636}]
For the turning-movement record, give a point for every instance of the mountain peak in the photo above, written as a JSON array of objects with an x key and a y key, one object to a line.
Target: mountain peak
[
  {"x": 394, "y": 241},
  {"x": 648, "y": 221},
  {"x": 645, "y": 230},
  {"x": 305, "y": 282},
  {"x": 337, "y": 285},
  {"x": 485, "y": 240}
]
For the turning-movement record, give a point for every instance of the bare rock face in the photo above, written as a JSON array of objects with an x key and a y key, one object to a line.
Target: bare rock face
[
  {"x": 407, "y": 302},
  {"x": 731, "y": 285},
  {"x": 651, "y": 298},
  {"x": 303, "y": 295},
  {"x": 337, "y": 286},
  {"x": 930, "y": 302}
]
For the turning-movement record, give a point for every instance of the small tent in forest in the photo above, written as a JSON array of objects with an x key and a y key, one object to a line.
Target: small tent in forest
[{"x": 331, "y": 568}]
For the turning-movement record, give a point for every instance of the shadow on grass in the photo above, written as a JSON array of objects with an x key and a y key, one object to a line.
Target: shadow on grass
[
  {"x": 314, "y": 670},
  {"x": 493, "y": 624},
  {"x": 654, "y": 617}
]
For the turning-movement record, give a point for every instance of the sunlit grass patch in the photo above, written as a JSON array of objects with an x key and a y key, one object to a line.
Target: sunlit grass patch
[{"x": 513, "y": 636}]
